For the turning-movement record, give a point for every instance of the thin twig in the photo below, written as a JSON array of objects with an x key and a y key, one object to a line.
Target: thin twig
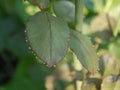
[
  {"x": 35, "y": 2},
  {"x": 79, "y": 5}
]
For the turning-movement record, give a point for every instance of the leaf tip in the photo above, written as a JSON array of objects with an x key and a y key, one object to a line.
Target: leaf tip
[{"x": 50, "y": 65}]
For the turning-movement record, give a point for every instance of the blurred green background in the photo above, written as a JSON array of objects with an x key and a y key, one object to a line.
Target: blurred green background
[{"x": 20, "y": 70}]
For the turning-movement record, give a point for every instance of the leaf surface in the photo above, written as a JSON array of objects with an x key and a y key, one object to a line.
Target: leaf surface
[
  {"x": 84, "y": 51},
  {"x": 65, "y": 9},
  {"x": 48, "y": 37}
]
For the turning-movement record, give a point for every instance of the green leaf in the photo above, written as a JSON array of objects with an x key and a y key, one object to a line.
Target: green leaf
[
  {"x": 82, "y": 47},
  {"x": 48, "y": 37},
  {"x": 65, "y": 10}
]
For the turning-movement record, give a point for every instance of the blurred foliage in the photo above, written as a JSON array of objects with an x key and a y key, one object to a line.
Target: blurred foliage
[{"x": 19, "y": 70}]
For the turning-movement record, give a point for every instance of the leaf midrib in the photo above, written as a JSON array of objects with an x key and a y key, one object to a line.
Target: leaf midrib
[
  {"x": 83, "y": 45},
  {"x": 50, "y": 31}
]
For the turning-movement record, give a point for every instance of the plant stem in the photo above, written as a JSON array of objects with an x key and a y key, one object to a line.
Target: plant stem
[
  {"x": 79, "y": 5},
  {"x": 35, "y": 2}
]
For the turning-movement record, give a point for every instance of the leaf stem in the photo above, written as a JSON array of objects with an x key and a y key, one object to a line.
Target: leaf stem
[
  {"x": 35, "y": 2},
  {"x": 79, "y": 5}
]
